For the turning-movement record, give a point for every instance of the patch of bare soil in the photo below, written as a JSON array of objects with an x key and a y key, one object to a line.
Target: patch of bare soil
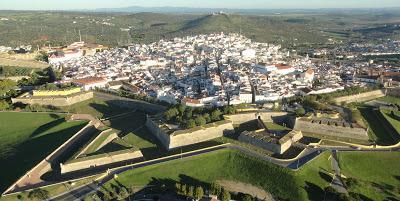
[{"x": 239, "y": 187}]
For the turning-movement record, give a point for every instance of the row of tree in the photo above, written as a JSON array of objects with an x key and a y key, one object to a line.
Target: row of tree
[{"x": 188, "y": 117}]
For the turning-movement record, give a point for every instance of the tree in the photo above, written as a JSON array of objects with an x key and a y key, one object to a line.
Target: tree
[
  {"x": 6, "y": 85},
  {"x": 171, "y": 113},
  {"x": 190, "y": 191},
  {"x": 181, "y": 108},
  {"x": 191, "y": 123},
  {"x": 215, "y": 189},
  {"x": 42, "y": 56},
  {"x": 226, "y": 195},
  {"x": 199, "y": 193},
  {"x": 207, "y": 117},
  {"x": 216, "y": 115},
  {"x": 188, "y": 113},
  {"x": 200, "y": 121},
  {"x": 178, "y": 188},
  {"x": 247, "y": 197},
  {"x": 183, "y": 189},
  {"x": 4, "y": 105},
  {"x": 96, "y": 197},
  {"x": 123, "y": 193},
  {"x": 229, "y": 110},
  {"x": 39, "y": 194},
  {"x": 300, "y": 112}
]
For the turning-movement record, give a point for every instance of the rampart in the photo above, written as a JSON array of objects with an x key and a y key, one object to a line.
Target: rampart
[
  {"x": 190, "y": 136},
  {"x": 327, "y": 128},
  {"x": 110, "y": 137},
  {"x": 65, "y": 92},
  {"x": 99, "y": 160},
  {"x": 362, "y": 97},
  {"x": 263, "y": 140},
  {"x": 265, "y": 116},
  {"x": 58, "y": 101}
]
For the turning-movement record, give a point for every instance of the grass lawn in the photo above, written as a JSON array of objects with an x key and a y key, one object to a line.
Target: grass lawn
[
  {"x": 314, "y": 176},
  {"x": 27, "y": 138},
  {"x": 389, "y": 99},
  {"x": 223, "y": 164},
  {"x": 275, "y": 127},
  {"x": 378, "y": 173},
  {"x": 96, "y": 107},
  {"x": 394, "y": 123}
]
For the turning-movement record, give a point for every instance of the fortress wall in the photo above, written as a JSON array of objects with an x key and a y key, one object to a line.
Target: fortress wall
[
  {"x": 163, "y": 137},
  {"x": 265, "y": 116},
  {"x": 331, "y": 130},
  {"x": 393, "y": 92},
  {"x": 106, "y": 141},
  {"x": 90, "y": 163},
  {"x": 362, "y": 97},
  {"x": 87, "y": 130},
  {"x": 259, "y": 143},
  {"x": 55, "y": 101},
  {"x": 201, "y": 135}
]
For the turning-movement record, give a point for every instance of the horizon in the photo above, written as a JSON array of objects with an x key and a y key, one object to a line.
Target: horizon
[{"x": 64, "y": 5}]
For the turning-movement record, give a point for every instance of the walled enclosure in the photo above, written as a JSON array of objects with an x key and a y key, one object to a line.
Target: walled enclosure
[
  {"x": 248, "y": 116},
  {"x": 57, "y": 101},
  {"x": 191, "y": 136}
]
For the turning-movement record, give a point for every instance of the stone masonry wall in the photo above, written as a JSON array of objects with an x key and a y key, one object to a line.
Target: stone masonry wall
[
  {"x": 55, "y": 101},
  {"x": 200, "y": 135},
  {"x": 331, "y": 130},
  {"x": 245, "y": 117},
  {"x": 90, "y": 163},
  {"x": 360, "y": 97}
]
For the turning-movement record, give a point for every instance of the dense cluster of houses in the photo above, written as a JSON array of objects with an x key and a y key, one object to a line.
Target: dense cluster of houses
[{"x": 201, "y": 70}]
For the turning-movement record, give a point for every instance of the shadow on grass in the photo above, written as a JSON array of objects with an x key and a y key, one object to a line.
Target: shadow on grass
[
  {"x": 325, "y": 176},
  {"x": 48, "y": 126},
  {"x": 30, "y": 153},
  {"x": 314, "y": 192}
]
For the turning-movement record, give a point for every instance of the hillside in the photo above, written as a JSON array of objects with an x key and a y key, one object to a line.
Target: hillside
[{"x": 55, "y": 28}]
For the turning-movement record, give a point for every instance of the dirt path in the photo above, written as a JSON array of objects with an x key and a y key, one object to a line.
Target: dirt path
[{"x": 237, "y": 187}]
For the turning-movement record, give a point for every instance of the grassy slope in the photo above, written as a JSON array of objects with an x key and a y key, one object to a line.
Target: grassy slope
[
  {"x": 377, "y": 173},
  {"x": 376, "y": 131},
  {"x": 225, "y": 164},
  {"x": 26, "y": 138},
  {"x": 95, "y": 107},
  {"x": 314, "y": 176}
]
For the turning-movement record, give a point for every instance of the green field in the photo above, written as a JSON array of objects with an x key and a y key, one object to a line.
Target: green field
[
  {"x": 224, "y": 164},
  {"x": 27, "y": 138},
  {"x": 378, "y": 174}
]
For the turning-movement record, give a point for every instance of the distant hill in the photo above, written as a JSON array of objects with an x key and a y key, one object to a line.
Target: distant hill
[{"x": 113, "y": 29}]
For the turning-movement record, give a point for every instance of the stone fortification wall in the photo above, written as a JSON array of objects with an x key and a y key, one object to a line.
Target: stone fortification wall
[
  {"x": 66, "y": 92},
  {"x": 362, "y": 97},
  {"x": 58, "y": 101},
  {"x": 393, "y": 91},
  {"x": 249, "y": 116},
  {"x": 85, "y": 163},
  {"x": 158, "y": 132},
  {"x": 330, "y": 130},
  {"x": 200, "y": 134},
  {"x": 191, "y": 136},
  {"x": 276, "y": 148}
]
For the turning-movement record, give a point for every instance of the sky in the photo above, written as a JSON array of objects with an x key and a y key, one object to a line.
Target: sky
[{"x": 246, "y": 4}]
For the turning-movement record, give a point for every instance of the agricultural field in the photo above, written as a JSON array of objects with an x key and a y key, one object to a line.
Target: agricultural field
[
  {"x": 377, "y": 174},
  {"x": 219, "y": 165},
  {"x": 27, "y": 138}
]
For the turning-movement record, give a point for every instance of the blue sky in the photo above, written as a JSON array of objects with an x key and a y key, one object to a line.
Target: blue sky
[{"x": 88, "y": 4}]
